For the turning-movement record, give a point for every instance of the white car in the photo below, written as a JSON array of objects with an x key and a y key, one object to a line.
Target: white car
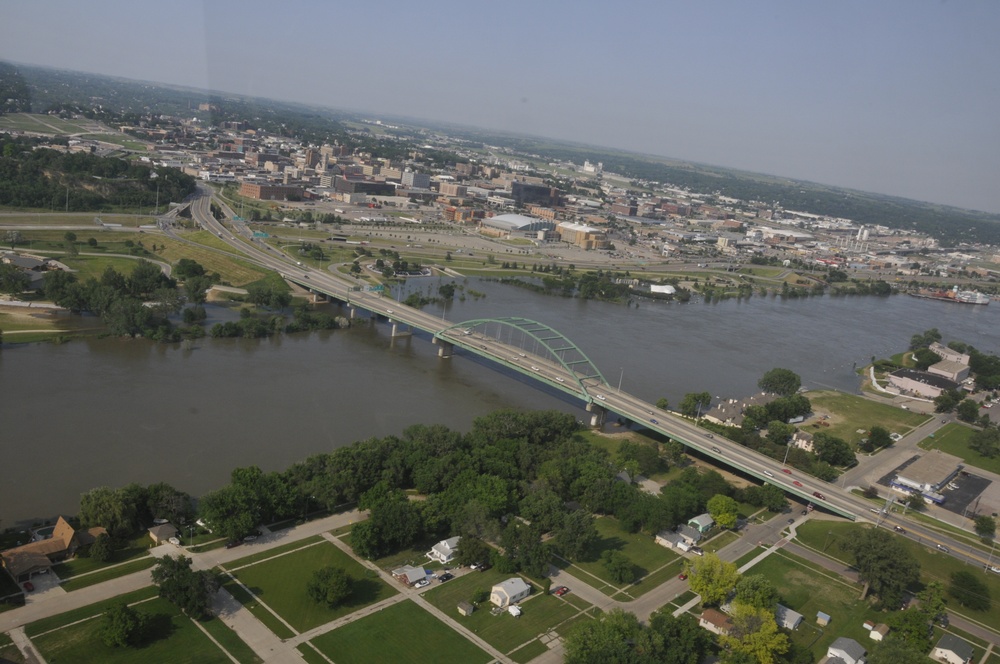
[
  {"x": 422, "y": 583},
  {"x": 769, "y": 473},
  {"x": 560, "y": 379},
  {"x": 600, "y": 396},
  {"x": 534, "y": 368}
]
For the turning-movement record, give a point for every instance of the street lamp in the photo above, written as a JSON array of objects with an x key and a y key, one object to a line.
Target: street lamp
[{"x": 620, "y": 378}]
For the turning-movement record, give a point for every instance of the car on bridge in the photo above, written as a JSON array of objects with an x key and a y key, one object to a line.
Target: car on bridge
[
  {"x": 796, "y": 483},
  {"x": 769, "y": 473},
  {"x": 717, "y": 450},
  {"x": 654, "y": 421},
  {"x": 786, "y": 471},
  {"x": 819, "y": 495},
  {"x": 600, "y": 396}
]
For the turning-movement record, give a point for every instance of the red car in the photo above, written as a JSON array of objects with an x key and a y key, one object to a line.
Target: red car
[
  {"x": 819, "y": 495},
  {"x": 29, "y": 586},
  {"x": 797, "y": 483},
  {"x": 786, "y": 471},
  {"x": 560, "y": 591},
  {"x": 683, "y": 576}
]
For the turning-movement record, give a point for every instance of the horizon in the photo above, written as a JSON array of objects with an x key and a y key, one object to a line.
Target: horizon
[{"x": 888, "y": 100}]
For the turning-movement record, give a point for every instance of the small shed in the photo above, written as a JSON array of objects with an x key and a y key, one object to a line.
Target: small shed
[
  {"x": 868, "y": 625},
  {"x": 879, "y": 632},
  {"x": 822, "y": 619},
  {"x": 465, "y": 608}
]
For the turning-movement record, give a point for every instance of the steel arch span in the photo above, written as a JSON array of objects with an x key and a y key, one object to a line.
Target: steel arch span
[{"x": 557, "y": 345}]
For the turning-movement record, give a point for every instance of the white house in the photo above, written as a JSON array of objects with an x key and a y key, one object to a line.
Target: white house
[
  {"x": 668, "y": 539},
  {"x": 953, "y": 650},
  {"x": 444, "y": 550},
  {"x": 787, "y": 618},
  {"x": 703, "y": 522},
  {"x": 691, "y": 535},
  {"x": 846, "y": 650},
  {"x": 510, "y": 591}
]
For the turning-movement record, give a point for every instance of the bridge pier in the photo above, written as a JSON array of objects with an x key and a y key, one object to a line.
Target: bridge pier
[
  {"x": 445, "y": 349},
  {"x": 597, "y": 415},
  {"x": 397, "y": 333},
  {"x": 350, "y": 310}
]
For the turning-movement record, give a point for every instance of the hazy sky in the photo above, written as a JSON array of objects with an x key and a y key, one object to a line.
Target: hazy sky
[{"x": 900, "y": 97}]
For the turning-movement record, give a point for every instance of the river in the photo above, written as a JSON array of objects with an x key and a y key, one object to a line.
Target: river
[{"x": 108, "y": 412}]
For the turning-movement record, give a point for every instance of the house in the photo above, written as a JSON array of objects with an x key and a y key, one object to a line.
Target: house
[
  {"x": 953, "y": 650},
  {"x": 868, "y": 625},
  {"x": 878, "y": 632},
  {"x": 703, "y": 522},
  {"x": 803, "y": 441},
  {"x": 162, "y": 533},
  {"x": 822, "y": 619},
  {"x": 787, "y": 618},
  {"x": 444, "y": 550},
  {"x": 510, "y": 591},
  {"x": 715, "y": 621},
  {"x": 691, "y": 535},
  {"x": 668, "y": 539},
  {"x": 408, "y": 575},
  {"x": 25, "y": 561},
  {"x": 465, "y": 608},
  {"x": 845, "y": 650}
]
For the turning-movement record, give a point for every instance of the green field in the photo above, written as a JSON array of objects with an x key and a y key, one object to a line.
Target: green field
[
  {"x": 849, "y": 413},
  {"x": 44, "y": 124},
  {"x": 281, "y": 584},
  {"x": 953, "y": 438},
  {"x": 402, "y": 633},
  {"x": 828, "y": 537},
  {"x": 807, "y": 590},
  {"x": 71, "y": 219},
  {"x": 504, "y": 632},
  {"x": 175, "y": 638},
  {"x": 642, "y": 550},
  {"x": 107, "y": 574}
]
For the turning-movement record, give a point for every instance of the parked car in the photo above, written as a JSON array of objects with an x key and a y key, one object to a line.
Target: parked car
[
  {"x": 559, "y": 591},
  {"x": 422, "y": 583},
  {"x": 447, "y": 576},
  {"x": 233, "y": 543},
  {"x": 29, "y": 586},
  {"x": 682, "y": 576}
]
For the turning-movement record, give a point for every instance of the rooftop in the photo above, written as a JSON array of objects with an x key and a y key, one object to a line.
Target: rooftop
[{"x": 932, "y": 468}]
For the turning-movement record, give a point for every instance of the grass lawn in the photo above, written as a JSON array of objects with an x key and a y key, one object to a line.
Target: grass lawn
[
  {"x": 94, "y": 266},
  {"x": 401, "y": 633},
  {"x": 175, "y": 639},
  {"x": 642, "y": 550},
  {"x": 415, "y": 555},
  {"x": 807, "y": 590},
  {"x": 829, "y": 537},
  {"x": 54, "y": 622},
  {"x": 953, "y": 438},
  {"x": 272, "y": 552},
  {"x": 251, "y": 604},
  {"x": 107, "y": 574},
  {"x": 528, "y": 652},
  {"x": 504, "y": 632},
  {"x": 721, "y": 540},
  {"x": 281, "y": 584},
  {"x": 231, "y": 641},
  {"x": 849, "y": 412},
  {"x": 137, "y": 549}
]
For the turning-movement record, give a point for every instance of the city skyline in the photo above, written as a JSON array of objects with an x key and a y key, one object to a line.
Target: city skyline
[{"x": 895, "y": 98}]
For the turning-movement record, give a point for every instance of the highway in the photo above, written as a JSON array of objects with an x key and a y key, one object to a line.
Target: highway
[{"x": 592, "y": 390}]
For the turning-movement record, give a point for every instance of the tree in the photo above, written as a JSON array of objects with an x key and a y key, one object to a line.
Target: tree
[
  {"x": 619, "y": 566},
  {"x": 724, "y": 510},
  {"x": 879, "y": 437},
  {"x": 684, "y": 642},
  {"x": 122, "y": 626},
  {"x": 577, "y": 535},
  {"x": 967, "y": 410},
  {"x": 662, "y": 403},
  {"x": 329, "y": 585},
  {"x": 695, "y": 403},
  {"x": 911, "y": 627},
  {"x": 471, "y": 550},
  {"x": 779, "y": 433},
  {"x": 925, "y": 339},
  {"x": 783, "y": 382},
  {"x": 755, "y": 590},
  {"x": 755, "y": 632},
  {"x": 915, "y": 501},
  {"x": 970, "y": 591},
  {"x": 946, "y": 401},
  {"x": 187, "y": 589},
  {"x": 931, "y": 601},
  {"x": 925, "y": 357},
  {"x": 111, "y": 509},
  {"x": 884, "y": 564},
  {"x": 986, "y": 526},
  {"x": 835, "y": 451},
  {"x": 895, "y": 651},
  {"x": 712, "y": 578},
  {"x": 102, "y": 549},
  {"x": 615, "y": 638},
  {"x": 13, "y": 238},
  {"x": 986, "y": 442},
  {"x": 12, "y": 280},
  {"x": 69, "y": 236}
]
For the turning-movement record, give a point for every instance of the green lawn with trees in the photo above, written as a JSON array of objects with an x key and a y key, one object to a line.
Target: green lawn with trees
[
  {"x": 170, "y": 637},
  {"x": 849, "y": 413},
  {"x": 282, "y": 583},
  {"x": 402, "y": 633}
]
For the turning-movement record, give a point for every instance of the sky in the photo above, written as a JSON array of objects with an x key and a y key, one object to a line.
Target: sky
[{"x": 899, "y": 97}]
